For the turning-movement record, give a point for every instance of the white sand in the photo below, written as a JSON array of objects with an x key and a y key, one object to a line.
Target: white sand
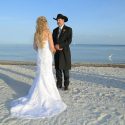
[{"x": 96, "y": 96}]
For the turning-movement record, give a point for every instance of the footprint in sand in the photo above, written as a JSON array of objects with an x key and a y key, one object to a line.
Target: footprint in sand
[{"x": 102, "y": 118}]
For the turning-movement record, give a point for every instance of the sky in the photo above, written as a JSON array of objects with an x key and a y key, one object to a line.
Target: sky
[{"x": 92, "y": 21}]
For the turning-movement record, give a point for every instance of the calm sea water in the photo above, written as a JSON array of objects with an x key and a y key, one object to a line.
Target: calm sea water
[{"x": 81, "y": 53}]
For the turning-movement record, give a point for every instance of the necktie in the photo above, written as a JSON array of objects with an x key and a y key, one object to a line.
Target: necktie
[{"x": 59, "y": 32}]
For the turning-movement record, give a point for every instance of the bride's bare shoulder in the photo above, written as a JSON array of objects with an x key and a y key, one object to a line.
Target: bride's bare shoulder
[{"x": 49, "y": 33}]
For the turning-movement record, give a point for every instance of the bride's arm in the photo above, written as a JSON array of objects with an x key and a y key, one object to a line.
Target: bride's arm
[{"x": 51, "y": 44}]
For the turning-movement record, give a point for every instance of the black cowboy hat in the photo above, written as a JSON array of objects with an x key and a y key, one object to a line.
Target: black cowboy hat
[{"x": 60, "y": 16}]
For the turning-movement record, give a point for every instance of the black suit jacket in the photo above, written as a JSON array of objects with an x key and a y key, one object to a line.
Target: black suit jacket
[{"x": 63, "y": 58}]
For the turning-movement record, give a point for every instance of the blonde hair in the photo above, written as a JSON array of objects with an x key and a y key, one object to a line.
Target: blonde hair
[{"x": 42, "y": 31}]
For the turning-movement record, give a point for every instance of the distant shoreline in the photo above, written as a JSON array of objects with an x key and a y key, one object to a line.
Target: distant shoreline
[
  {"x": 73, "y": 64},
  {"x": 73, "y": 43}
]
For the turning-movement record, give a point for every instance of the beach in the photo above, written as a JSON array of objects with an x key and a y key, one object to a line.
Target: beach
[{"x": 96, "y": 95}]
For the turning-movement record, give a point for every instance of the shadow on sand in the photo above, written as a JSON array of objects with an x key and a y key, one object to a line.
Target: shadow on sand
[{"x": 108, "y": 81}]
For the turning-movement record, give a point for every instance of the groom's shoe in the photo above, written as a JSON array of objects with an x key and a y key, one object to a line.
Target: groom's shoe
[
  {"x": 65, "y": 88},
  {"x": 59, "y": 87}
]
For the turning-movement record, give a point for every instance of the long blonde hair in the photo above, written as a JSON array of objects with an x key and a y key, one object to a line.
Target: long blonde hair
[{"x": 42, "y": 31}]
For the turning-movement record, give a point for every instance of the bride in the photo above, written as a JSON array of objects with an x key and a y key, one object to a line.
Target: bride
[{"x": 43, "y": 99}]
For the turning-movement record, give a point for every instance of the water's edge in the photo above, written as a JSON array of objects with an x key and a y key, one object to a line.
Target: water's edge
[{"x": 73, "y": 64}]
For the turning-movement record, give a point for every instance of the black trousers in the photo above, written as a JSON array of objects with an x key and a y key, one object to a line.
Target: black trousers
[{"x": 59, "y": 77}]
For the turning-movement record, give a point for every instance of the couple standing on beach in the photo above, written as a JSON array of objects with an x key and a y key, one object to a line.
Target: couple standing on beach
[{"x": 43, "y": 99}]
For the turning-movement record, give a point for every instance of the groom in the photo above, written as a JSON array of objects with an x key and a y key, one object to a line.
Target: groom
[{"x": 62, "y": 37}]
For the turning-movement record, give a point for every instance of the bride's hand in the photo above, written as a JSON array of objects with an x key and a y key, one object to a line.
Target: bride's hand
[{"x": 53, "y": 50}]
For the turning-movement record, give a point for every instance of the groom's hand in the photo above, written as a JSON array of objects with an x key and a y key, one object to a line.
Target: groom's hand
[{"x": 57, "y": 47}]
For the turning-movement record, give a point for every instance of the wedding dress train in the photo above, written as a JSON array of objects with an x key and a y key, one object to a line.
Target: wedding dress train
[{"x": 43, "y": 99}]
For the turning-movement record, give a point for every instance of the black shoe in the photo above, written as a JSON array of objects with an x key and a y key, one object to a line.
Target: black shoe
[
  {"x": 65, "y": 88},
  {"x": 59, "y": 87}
]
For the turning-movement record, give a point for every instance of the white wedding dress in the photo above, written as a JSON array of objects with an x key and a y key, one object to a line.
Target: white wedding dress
[{"x": 43, "y": 99}]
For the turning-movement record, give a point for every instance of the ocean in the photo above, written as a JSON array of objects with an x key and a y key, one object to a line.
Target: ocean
[{"x": 81, "y": 53}]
